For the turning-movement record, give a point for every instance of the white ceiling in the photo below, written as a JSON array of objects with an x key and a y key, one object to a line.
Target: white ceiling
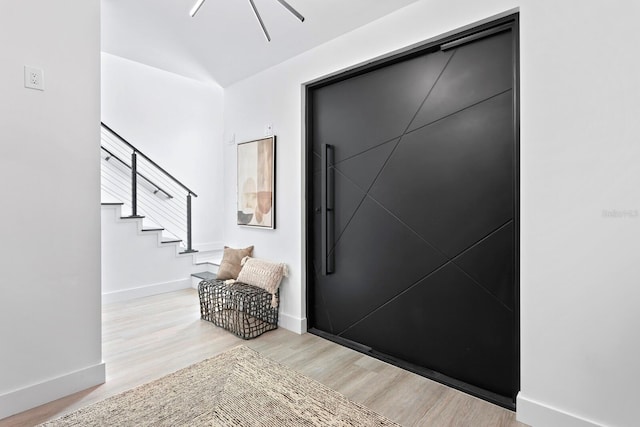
[{"x": 224, "y": 42}]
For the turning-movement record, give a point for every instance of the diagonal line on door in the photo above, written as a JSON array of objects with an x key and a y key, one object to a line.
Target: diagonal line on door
[
  {"x": 435, "y": 83},
  {"x": 449, "y": 260}
]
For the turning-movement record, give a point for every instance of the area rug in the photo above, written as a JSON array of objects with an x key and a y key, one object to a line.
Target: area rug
[{"x": 236, "y": 388}]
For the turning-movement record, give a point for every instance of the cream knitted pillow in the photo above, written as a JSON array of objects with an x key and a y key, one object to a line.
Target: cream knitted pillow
[{"x": 263, "y": 274}]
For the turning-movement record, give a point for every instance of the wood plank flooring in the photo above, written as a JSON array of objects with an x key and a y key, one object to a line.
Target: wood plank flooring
[{"x": 147, "y": 338}]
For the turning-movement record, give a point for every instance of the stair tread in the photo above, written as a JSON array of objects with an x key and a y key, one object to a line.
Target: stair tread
[
  {"x": 205, "y": 275},
  {"x": 210, "y": 262},
  {"x": 152, "y": 229},
  {"x": 132, "y": 217},
  {"x": 171, "y": 241},
  {"x": 111, "y": 203}
]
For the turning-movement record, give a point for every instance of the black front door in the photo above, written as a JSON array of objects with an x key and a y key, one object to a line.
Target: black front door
[{"x": 412, "y": 224}]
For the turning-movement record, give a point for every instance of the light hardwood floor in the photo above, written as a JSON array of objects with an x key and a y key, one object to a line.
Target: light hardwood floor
[{"x": 147, "y": 338}]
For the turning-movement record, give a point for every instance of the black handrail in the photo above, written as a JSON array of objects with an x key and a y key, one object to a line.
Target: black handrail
[
  {"x": 135, "y": 150},
  {"x": 158, "y": 188}
]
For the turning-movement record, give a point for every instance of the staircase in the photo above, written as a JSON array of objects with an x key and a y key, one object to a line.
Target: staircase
[{"x": 146, "y": 226}]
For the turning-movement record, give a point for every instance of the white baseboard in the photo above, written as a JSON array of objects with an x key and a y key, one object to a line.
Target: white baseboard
[
  {"x": 38, "y": 394},
  {"x": 538, "y": 414},
  {"x": 145, "y": 291},
  {"x": 195, "y": 282},
  {"x": 292, "y": 323}
]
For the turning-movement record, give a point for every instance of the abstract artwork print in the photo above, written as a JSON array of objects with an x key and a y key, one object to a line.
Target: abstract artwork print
[{"x": 256, "y": 183}]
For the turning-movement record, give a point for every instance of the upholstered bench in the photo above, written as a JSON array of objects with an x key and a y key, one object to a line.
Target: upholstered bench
[{"x": 246, "y": 311}]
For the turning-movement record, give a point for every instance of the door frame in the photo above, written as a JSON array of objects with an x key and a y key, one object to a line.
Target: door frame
[{"x": 510, "y": 19}]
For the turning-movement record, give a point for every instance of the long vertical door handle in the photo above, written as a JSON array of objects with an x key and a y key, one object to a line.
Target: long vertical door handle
[{"x": 328, "y": 212}]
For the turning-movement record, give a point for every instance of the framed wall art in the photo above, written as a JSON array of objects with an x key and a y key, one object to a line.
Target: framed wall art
[{"x": 256, "y": 183}]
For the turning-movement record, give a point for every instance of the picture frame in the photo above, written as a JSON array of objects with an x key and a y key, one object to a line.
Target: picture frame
[{"x": 256, "y": 183}]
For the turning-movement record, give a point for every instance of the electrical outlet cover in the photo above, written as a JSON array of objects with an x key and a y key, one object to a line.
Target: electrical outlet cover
[{"x": 33, "y": 78}]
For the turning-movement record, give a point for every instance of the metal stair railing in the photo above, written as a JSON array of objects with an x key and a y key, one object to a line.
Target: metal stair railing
[{"x": 155, "y": 194}]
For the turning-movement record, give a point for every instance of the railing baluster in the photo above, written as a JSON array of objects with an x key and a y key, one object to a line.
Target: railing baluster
[
  {"x": 134, "y": 184},
  {"x": 189, "y": 247}
]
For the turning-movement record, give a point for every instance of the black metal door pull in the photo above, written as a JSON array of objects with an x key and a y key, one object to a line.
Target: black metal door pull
[{"x": 328, "y": 212}]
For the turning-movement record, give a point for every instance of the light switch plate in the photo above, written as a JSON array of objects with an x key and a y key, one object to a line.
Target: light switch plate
[{"x": 33, "y": 78}]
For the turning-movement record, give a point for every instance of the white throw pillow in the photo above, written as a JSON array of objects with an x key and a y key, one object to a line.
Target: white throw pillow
[{"x": 263, "y": 274}]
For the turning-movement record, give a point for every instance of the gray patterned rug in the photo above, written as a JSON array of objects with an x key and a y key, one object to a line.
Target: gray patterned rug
[{"x": 236, "y": 388}]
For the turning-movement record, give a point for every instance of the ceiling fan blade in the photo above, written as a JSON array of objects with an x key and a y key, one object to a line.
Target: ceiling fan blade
[
  {"x": 196, "y": 7},
  {"x": 292, "y": 10},
  {"x": 264, "y": 29}
]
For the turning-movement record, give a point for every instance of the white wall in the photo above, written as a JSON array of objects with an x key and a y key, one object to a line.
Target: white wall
[
  {"x": 50, "y": 331},
  {"x": 177, "y": 122},
  {"x": 580, "y": 156}
]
